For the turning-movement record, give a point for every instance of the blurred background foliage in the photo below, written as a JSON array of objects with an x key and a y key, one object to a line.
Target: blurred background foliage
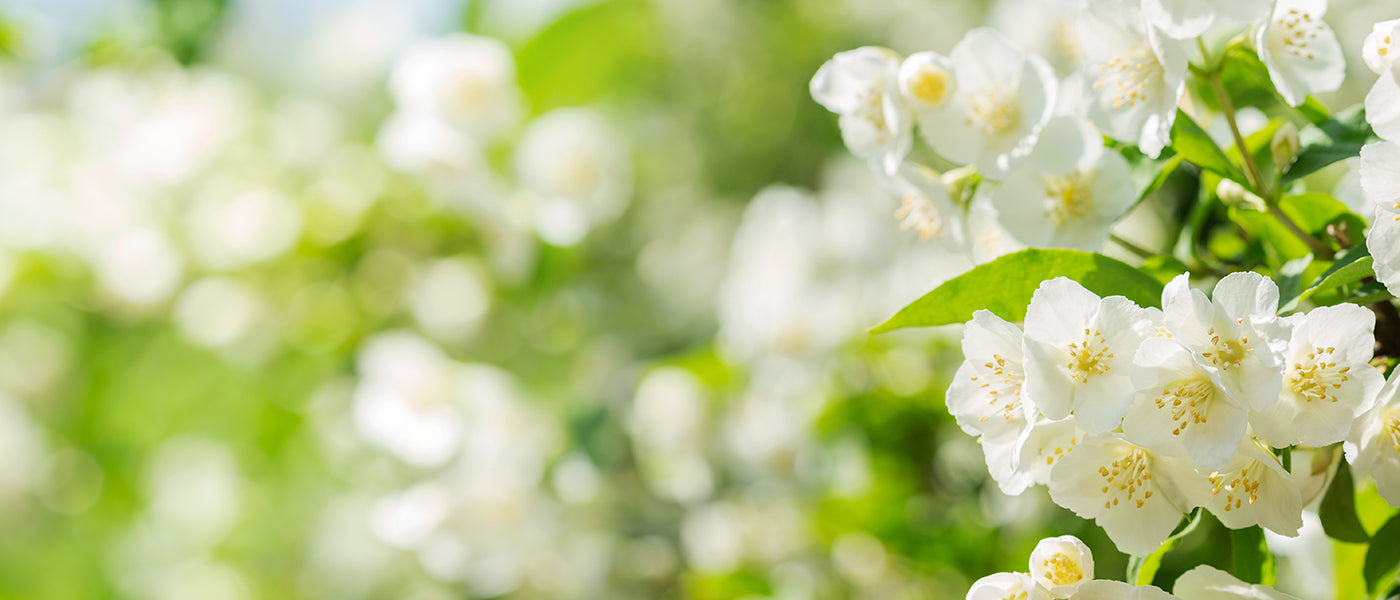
[{"x": 716, "y": 422}]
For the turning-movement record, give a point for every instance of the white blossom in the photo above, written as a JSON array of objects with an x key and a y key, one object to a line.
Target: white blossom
[
  {"x": 1182, "y": 407},
  {"x": 1061, "y": 565},
  {"x": 1373, "y": 446},
  {"x": 1327, "y": 382},
  {"x": 862, "y": 86},
  {"x": 1105, "y": 589},
  {"x": 1068, "y": 192},
  {"x": 1209, "y": 583},
  {"x": 1381, "y": 49},
  {"x": 1079, "y": 352},
  {"x": 1183, "y": 19},
  {"x": 1001, "y": 100},
  {"x": 1254, "y": 489},
  {"x": 985, "y": 396},
  {"x": 926, "y": 207},
  {"x": 1133, "y": 76},
  {"x": 1383, "y": 105},
  {"x": 1301, "y": 52},
  {"x": 466, "y": 80},
  {"x": 1006, "y": 586}
]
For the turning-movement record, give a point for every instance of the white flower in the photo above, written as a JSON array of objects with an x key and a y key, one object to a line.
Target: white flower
[
  {"x": 1373, "y": 446},
  {"x": 1001, "y": 100},
  {"x": 1182, "y": 407},
  {"x": 1184, "y": 19},
  {"x": 1068, "y": 192},
  {"x": 862, "y": 86},
  {"x": 467, "y": 80},
  {"x": 1327, "y": 382},
  {"x": 985, "y": 396},
  {"x": 1079, "y": 352},
  {"x": 1381, "y": 50},
  {"x": 405, "y": 400},
  {"x": 1379, "y": 171},
  {"x": 1133, "y": 78},
  {"x": 1237, "y": 333},
  {"x": 1135, "y": 494},
  {"x": 1006, "y": 586},
  {"x": 1300, "y": 51},
  {"x": 926, "y": 207},
  {"x": 1044, "y": 443},
  {"x": 1383, "y": 106},
  {"x": 987, "y": 238},
  {"x": 577, "y": 162},
  {"x": 1253, "y": 489},
  {"x": 1104, "y": 589},
  {"x": 1061, "y": 564},
  {"x": 926, "y": 80},
  {"x": 1209, "y": 583}
]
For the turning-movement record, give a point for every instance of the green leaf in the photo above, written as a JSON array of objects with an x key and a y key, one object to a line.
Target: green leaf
[
  {"x": 1338, "y": 508},
  {"x": 1005, "y": 285},
  {"x": 1337, "y": 138},
  {"x": 1383, "y": 557},
  {"x": 607, "y": 48},
  {"x": 1192, "y": 143},
  {"x": 1314, "y": 110},
  {"x": 1347, "y": 268},
  {"x": 1251, "y": 560},
  {"x": 1290, "y": 282},
  {"x": 1142, "y": 569}
]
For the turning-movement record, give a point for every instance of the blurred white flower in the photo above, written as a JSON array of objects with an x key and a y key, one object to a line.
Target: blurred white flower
[
  {"x": 449, "y": 298},
  {"x": 24, "y": 445},
  {"x": 217, "y": 311},
  {"x": 862, "y": 86},
  {"x": 140, "y": 267},
  {"x": 1209, "y": 583},
  {"x": 405, "y": 400},
  {"x": 1300, "y": 51},
  {"x": 195, "y": 489},
  {"x": 926, "y": 206},
  {"x": 1184, "y": 19},
  {"x": 426, "y": 145},
  {"x": 231, "y": 225},
  {"x": 576, "y": 161},
  {"x": 1381, "y": 49},
  {"x": 1106, "y": 589},
  {"x": 1133, "y": 76},
  {"x": 408, "y": 518},
  {"x": 1383, "y": 105},
  {"x": 466, "y": 80}
]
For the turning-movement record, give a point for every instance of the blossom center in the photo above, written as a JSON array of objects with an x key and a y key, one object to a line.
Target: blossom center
[
  {"x": 1061, "y": 569},
  {"x": 1130, "y": 473},
  {"x": 1001, "y": 381},
  {"x": 918, "y": 213},
  {"x": 1317, "y": 377},
  {"x": 1067, "y": 197},
  {"x": 930, "y": 85},
  {"x": 1187, "y": 402},
  {"x": 1237, "y": 486},
  {"x": 993, "y": 110},
  {"x": 1228, "y": 353},
  {"x": 1130, "y": 77},
  {"x": 1293, "y": 32},
  {"x": 1392, "y": 428},
  {"x": 1089, "y": 357},
  {"x": 871, "y": 109}
]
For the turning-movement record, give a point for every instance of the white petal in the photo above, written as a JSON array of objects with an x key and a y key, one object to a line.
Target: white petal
[
  {"x": 1107, "y": 589},
  {"x": 1209, "y": 583},
  {"x": 1179, "y": 18},
  {"x": 1380, "y": 174},
  {"x": 1383, "y": 106},
  {"x": 1383, "y": 240},
  {"x": 1246, "y": 294}
]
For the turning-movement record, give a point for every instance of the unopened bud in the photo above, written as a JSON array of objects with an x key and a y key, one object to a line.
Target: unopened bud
[
  {"x": 1232, "y": 193},
  {"x": 1285, "y": 146},
  {"x": 959, "y": 180}
]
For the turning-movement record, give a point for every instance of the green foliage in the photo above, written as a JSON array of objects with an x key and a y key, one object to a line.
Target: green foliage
[
  {"x": 1338, "y": 138},
  {"x": 1338, "y": 508},
  {"x": 1005, "y": 285},
  {"x": 1193, "y": 144},
  {"x": 613, "y": 48},
  {"x": 1383, "y": 557},
  {"x": 1251, "y": 560}
]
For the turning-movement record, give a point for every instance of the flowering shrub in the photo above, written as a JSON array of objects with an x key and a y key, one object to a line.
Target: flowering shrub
[{"x": 1139, "y": 401}]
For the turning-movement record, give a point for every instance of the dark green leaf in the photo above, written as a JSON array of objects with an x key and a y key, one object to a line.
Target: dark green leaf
[
  {"x": 1347, "y": 268},
  {"x": 1337, "y": 138},
  {"x": 1192, "y": 143},
  {"x": 1338, "y": 508},
  {"x": 1383, "y": 556},
  {"x": 1005, "y": 285},
  {"x": 1290, "y": 282},
  {"x": 1251, "y": 560}
]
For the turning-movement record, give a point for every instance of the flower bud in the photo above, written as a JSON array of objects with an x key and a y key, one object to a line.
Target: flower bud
[
  {"x": 1381, "y": 49},
  {"x": 1232, "y": 193},
  {"x": 1285, "y": 146},
  {"x": 1060, "y": 564},
  {"x": 959, "y": 181}
]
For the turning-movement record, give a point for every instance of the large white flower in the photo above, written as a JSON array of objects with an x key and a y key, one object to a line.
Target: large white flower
[
  {"x": 1133, "y": 77},
  {"x": 1107, "y": 589},
  {"x": 1327, "y": 382},
  {"x": 1383, "y": 105},
  {"x": 985, "y": 396},
  {"x": 1135, "y": 494},
  {"x": 1300, "y": 51},
  {"x": 1068, "y": 192},
  {"x": 1209, "y": 583},
  {"x": 1001, "y": 100},
  {"x": 1005, "y": 586},
  {"x": 926, "y": 207},
  {"x": 1381, "y": 50},
  {"x": 1183, "y": 19},
  {"x": 1079, "y": 352},
  {"x": 1373, "y": 446},
  {"x": 1182, "y": 406},
  {"x": 862, "y": 87},
  {"x": 1061, "y": 565},
  {"x": 1254, "y": 489},
  {"x": 1237, "y": 333}
]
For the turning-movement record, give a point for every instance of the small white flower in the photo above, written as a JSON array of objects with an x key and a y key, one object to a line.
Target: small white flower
[
  {"x": 862, "y": 87},
  {"x": 1383, "y": 106},
  {"x": 1043, "y": 444},
  {"x": 1001, "y": 100},
  {"x": 1182, "y": 407},
  {"x": 1135, "y": 494},
  {"x": 1209, "y": 583},
  {"x": 1079, "y": 352},
  {"x": 1183, "y": 19},
  {"x": 465, "y": 79},
  {"x": 405, "y": 401},
  {"x": 1373, "y": 446},
  {"x": 1006, "y": 586},
  {"x": 926, "y": 80},
  {"x": 1327, "y": 382},
  {"x": 1383, "y": 240},
  {"x": 1255, "y": 490},
  {"x": 1061, "y": 564},
  {"x": 1068, "y": 192},
  {"x": 925, "y": 207},
  {"x": 1133, "y": 77},
  {"x": 1237, "y": 333},
  {"x": 985, "y": 396},
  {"x": 1300, "y": 51},
  {"x": 576, "y": 158},
  {"x": 1106, "y": 589},
  {"x": 1381, "y": 50}
]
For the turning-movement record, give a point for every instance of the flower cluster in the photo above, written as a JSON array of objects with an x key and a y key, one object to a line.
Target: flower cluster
[
  {"x": 1035, "y": 136},
  {"x": 1133, "y": 416},
  {"x": 1063, "y": 567}
]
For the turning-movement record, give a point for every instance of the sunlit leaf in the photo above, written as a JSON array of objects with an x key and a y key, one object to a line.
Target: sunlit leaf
[{"x": 1338, "y": 508}]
